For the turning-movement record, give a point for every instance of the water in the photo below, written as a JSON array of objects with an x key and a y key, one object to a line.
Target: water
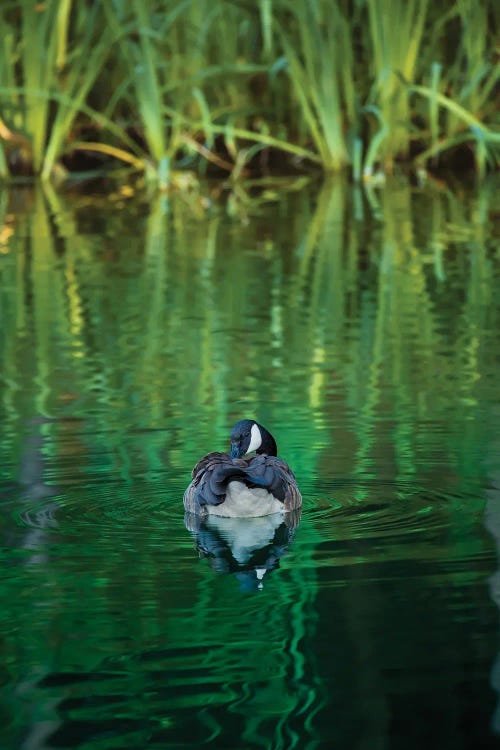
[{"x": 364, "y": 331}]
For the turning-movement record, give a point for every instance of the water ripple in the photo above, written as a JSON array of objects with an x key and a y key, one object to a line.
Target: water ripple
[
  {"x": 349, "y": 510},
  {"x": 374, "y": 509},
  {"x": 111, "y": 509}
]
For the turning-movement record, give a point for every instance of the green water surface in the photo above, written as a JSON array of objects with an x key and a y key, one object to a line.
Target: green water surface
[{"x": 363, "y": 329}]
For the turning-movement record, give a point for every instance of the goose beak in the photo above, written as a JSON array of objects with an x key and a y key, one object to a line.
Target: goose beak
[{"x": 236, "y": 450}]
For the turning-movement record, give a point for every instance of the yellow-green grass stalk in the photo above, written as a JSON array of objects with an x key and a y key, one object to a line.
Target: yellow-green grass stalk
[
  {"x": 231, "y": 133},
  {"x": 397, "y": 35},
  {"x": 39, "y": 47},
  {"x": 46, "y": 77},
  {"x": 227, "y": 36},
  {"x": 462, "y": 105},
  {"x": 214, "y": 79},
  {"x": 4, "y": 166},
  {"x": 43, "y": 70},
  {"x": 11, "y": 119},
  {"x": 144, "y": 51},
  {"x": 486, "y": 142},
  {"x": 87, "y": 61},
  {"x": 134, "y": 155},
  {"x": 475, "y": 75},
  {"x": 319, "y": 54}
]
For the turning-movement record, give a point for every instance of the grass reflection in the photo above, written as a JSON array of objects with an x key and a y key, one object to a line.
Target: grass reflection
[
  {"x": 363, "y": 331},
  {"x": 292, "y": 321}
]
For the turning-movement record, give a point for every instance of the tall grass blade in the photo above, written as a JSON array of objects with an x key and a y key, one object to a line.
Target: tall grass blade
[
  {"x": 63, "y": 18},
  {"x": 170, "y": 82},
  {"x": 95, "y": 45},
  {"x": 396, "y": 33},
  {"x": 487, "y": 141},
  {"x": 320, "y": 59},
  {"x": 433, "y": 103},
  {"x": 39, "y": 50}
]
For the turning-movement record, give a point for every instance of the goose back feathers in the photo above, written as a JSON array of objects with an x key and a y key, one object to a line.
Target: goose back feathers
[{"x": 236, "y": 485}]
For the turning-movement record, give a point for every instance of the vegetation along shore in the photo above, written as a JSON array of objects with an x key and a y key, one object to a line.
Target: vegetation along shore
[{"x": 248, "y": 87}]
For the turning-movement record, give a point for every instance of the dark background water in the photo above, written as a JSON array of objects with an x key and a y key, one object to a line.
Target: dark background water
[{"x": 363, "y": 330}]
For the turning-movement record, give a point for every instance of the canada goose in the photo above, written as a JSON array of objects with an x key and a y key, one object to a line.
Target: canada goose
[{"x": 229, "y": 485}]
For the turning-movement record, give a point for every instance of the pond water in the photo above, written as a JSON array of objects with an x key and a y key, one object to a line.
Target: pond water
[{"x": 363, "y": 329}]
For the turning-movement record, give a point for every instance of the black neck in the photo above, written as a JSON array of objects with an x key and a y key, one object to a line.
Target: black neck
[{"x": 268, "y": 446}]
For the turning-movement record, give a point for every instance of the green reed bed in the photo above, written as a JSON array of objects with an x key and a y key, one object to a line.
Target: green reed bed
[{"x": 161, "y": 85}]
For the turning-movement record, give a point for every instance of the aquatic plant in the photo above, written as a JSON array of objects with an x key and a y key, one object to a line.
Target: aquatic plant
[
  {"x": 319, "y": 54},
  {"x": 47, "y": 77},
  {"x": 161, "y": 86}
]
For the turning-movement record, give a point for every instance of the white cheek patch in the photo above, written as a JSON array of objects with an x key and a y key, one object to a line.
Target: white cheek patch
[{"x": 255, "y": 439}]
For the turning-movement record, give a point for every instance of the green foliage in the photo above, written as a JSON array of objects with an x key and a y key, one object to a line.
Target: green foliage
[
  {"x": 320, "y": 60},
  {"x": 462, "y": 96},
  {"x": 47, "y": 77},
  {"x": 402, "y": 329},
  {"x": 396, "y": 34},
  {"x": 160, "y": 84}
]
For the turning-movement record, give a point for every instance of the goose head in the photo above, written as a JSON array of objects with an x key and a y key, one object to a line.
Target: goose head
[{"x": 248, "y": 436}]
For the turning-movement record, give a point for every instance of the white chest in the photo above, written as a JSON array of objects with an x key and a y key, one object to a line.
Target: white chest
[{"x": 244, "y": 501}]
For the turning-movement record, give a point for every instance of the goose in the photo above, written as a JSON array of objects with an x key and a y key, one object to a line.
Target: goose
[{"x": 239, "y": 485}]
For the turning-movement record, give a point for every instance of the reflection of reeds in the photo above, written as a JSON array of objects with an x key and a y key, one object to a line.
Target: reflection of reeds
[
  {"x": 355, "y": 339},
  {"x": 294, "y": 323}
]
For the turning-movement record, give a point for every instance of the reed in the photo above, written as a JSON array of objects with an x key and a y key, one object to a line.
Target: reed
[
  {"x": 162, "y": 85},
  {"x": 396, "y": 34},
  {"x": 140, "y": 33},
  {"x": 319, "y": 54},
  {"x": 47, "y": 76},
  {"x": 94, "y": 43},
  {"x": 462, "y": 104}
]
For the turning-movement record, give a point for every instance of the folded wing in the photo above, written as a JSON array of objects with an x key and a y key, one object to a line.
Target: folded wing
[{"x": 212, "y": 474}]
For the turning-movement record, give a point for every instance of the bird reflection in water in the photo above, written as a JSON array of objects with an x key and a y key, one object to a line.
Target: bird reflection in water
[{"x": 250, "y": 548}]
